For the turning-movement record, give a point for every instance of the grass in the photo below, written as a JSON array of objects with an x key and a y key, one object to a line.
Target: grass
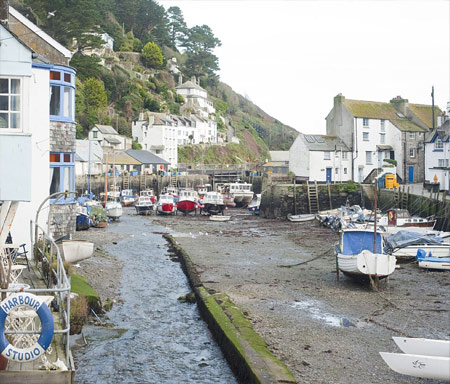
[{"x": 81, "y": 286}]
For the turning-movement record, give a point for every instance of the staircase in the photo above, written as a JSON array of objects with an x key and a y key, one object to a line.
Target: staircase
[{"x": 313, "y": 197}]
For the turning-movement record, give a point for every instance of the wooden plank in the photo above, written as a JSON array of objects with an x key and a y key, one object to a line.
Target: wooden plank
[{"x": 37, "y": 377}]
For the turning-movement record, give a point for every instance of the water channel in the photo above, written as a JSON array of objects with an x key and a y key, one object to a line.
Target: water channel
[{"x": 154, "y": 338}]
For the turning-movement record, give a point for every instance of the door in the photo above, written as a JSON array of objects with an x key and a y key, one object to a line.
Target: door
[
  {"x": 360, "y": 175},
  {"x": 380, "y": 159},
  {"x": 329, "y": 175},
  {"x": 411, "y": 174}
]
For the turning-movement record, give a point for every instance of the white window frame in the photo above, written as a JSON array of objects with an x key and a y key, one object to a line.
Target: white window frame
[
  {"x": 365, "y": 136},
  {"x": 10, "y": 112},
  {"x": 412, "y": 135},
  {"x": 344, "y": 155},
  {"x": 327, "y": 155},
  {"x": 412, "y": 152},
  {"x": 383, "y": 125},
  {"x": 382, "y": 138},
  {"x": 438, "y": 144},
  {"x": 368, "y": 157},
  {"x": 365, "y": 122}
]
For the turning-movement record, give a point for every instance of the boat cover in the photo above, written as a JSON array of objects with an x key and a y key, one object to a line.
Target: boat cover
[
  {"x": 354, "y": 242},
  {"x": 402, "y": 239}
]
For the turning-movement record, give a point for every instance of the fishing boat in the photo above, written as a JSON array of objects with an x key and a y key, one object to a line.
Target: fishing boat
[
  {"x": 114, "y": 209},
  {"x": 356, "y": 256},
  {"x": 166, "y": 205},
  {"x": 171, "y": 191},
  {"x": 149, "y": 193},
  {"x": 144, "y": 205},
  {"x": 220, "y": 218},
  {"x": 83, "y": 221},
  {"x": 128, "y": 197},
  {"x": 213, "y": 203},
  {"x": 402, "y": 218},
  {"x": 253, "y": 207},
  {"x": 77, "y": 250},
  {"x": 113, "y": 193},
  {"x": 425, "y": 358},
  {"x": 302, "y": 217},
  {"x": 241, "y": 192},
  {"x": 429, "y": 262},
  {"x": 203, "y": 189},
  {"x": 187, "y": 201}
]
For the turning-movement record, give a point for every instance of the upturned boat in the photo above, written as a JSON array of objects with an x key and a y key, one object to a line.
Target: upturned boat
[{"x": 77, "y": 250}]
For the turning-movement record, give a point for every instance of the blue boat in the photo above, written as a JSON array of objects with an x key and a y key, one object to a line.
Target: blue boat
[{"x": 430, "y": 262}]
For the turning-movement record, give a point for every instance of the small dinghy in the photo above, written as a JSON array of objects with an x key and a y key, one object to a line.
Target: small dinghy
[
  {"x": 219, "y": 218},
  {"x": 77, "y": 250},
  {"x": 301, "y": 218}
]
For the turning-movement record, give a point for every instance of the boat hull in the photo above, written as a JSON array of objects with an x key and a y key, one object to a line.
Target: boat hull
[
  {"x": 77, "y": 250},
  {"x": 83, "y": 222},
  {"x": 214, "y": 209},
  {"x": 186, "y": 206},
  {"x": 301, "y": 218},
  {"x": 166, "y": 208},
  {"x": 366, "y": 263},
  {"x": 220, "y": 218},
  {"x": 421, "y": 346},
  {"x": 427, "y": 367},
  {"x": 442, "y": 263},
  {"x": 242, "y": 200},
  {"x": 441, "y": 250},
  {"x": 144, "y": 209}
]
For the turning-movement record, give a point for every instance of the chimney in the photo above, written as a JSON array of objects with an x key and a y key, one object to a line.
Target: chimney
[
  {"x": 194, "y": 80},
  {"x": 401, "y": 105},
  {"x": 4, "y": 12},
  {"x": 180, "y": 79},
  {"x": 338, "y": 101}
]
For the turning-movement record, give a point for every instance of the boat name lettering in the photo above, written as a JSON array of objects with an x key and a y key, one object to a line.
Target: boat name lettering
[{"x": 21, "y": 300}]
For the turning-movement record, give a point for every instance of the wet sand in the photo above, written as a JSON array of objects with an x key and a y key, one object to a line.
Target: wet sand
[{"x": 326, "y": 331}]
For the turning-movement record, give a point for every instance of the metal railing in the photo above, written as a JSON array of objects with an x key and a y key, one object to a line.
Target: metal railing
[{"x": 48, "y": 260}]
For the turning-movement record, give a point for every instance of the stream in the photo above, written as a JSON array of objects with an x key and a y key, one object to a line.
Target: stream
[{"x": 153, "y": 337}]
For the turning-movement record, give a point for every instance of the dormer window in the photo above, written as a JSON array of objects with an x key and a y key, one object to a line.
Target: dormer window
[
  {"x": 438, "y": 144},
  {"x": 10, "y": 108}
]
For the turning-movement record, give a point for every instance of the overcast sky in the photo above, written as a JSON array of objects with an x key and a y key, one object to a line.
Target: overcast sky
[{"x": 292, "y": 57}]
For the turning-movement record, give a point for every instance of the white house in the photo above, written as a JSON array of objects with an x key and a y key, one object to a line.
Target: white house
[
  {"x": 437, "y": 152},
  {"x": 320, "y": 157},
  {"x": 375, "y": 131},
  {"x": 88, "y": 158},
  {"x": 196, "y": 98},
  {"x": 108, "y": 138}
]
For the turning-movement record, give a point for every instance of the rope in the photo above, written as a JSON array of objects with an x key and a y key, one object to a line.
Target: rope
[{"x": 307, "y": 261}]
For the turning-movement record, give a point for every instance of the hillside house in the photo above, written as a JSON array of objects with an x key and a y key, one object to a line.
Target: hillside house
[
  {"x": 108, "y": 138},
  {"x": 196, "y": 98},
  {"x": 40, "y": 87},
  {"x": 320, "y": 157},
  {"x": 375, "y": 131},
  {"x": 437, "y": 152}
]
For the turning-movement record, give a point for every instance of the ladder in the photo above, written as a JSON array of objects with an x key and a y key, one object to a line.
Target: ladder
[
  {"x": 313, "y": 197},
  {"x": 405, "y": 198},
  {"x": 126, "y": 182},
  {"x": 174, "y": 180},
  {"x": 142, "y": 182}
]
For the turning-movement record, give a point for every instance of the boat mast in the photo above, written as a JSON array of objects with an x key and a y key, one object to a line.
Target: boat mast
[
  {"x": 106, "y": 182},
  {"x": 375, "y": 218}
]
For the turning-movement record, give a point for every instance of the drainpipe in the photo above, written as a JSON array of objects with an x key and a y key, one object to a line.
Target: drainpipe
[
  {"x": 404, "y": 158},
  {"x": 355, "y": 146}
]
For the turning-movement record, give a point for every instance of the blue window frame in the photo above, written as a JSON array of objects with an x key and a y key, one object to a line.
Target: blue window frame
[
  {"x": 62, "y": 94},
  {"x": 62, "y": 172}
]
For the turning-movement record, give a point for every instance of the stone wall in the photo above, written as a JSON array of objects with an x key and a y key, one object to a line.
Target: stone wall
[
  {"x": 62, "y": 136},
  {"x": 63, "y": 220}
]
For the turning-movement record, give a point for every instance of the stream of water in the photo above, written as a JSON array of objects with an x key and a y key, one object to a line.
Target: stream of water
[{"x": 154, "y": 338}]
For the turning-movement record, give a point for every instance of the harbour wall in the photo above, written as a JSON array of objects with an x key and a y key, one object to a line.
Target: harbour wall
[{"x": 245, "y": 351}]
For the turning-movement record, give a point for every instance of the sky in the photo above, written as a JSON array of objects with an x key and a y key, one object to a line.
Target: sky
[{"x": 291, "y": 57}]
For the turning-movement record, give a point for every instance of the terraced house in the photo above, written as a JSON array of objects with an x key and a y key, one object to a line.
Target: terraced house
[{"x": 378, "y": 131}]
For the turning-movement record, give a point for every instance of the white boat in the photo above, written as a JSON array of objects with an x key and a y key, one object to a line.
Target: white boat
[
  {"x": 241, "y": 193},
  {"x": 254, "y": 205},
  {"x": 77, "y": 250},
  {"x": 429, "y": 262},
  {"x": 114, "y": 209},
  {"x": 421, "y": 346},
  {"x": 128, "y": 197},
  {"x": 302, "y": 217},
  {"x": 148, "y": 193},
  {"x": 166, "y": 205},
  {"x": 219, "y": 218},
  {"x": 402, "y": 218},
  {"x": 427, "y": 367},
  {"x": 213, "y": 203},
  {"x": 144, "y": 205},
  {"x": 356, "y": 256}
]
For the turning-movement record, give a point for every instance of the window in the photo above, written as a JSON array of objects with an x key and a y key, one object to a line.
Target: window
[
  {"x": 382, "y": 138},
  {"x": 336, "y": 171},
  {"x": 443, "y": 163},
  {"x": 326, "y": 156},
  {"x": 365, "y": 136},
  {"x": 345, "y": 171},
  {"x": 61, "y": 172},
  {"x": 382, "y": 125},
  {"x": 344, "y": 155},
  {"x": 412, "y": 135},
  {"x": 412, "y": 152},
  {"x": 95, "y": 134},
  {"x": 10, "y": 107},
  {"x": 438, "y": 144},
  {"x": 368, "y": 157},
  {"x": 365, "y": 122},
  {"x": 62, "y": 95}
]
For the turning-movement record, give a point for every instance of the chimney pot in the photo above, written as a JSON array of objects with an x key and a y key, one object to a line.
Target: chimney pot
[{"x": 4, "y": 12}]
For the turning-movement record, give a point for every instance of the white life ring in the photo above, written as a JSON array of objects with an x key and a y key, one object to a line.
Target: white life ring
[{"x": 24, "y": 355}]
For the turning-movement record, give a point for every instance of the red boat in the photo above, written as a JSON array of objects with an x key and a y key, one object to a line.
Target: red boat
[
  {"x": 188, "y": 201},
  {"x": 166, "y": 205}
]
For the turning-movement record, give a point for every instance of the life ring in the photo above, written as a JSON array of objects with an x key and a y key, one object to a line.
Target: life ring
[{"x": 23, "y": 355}]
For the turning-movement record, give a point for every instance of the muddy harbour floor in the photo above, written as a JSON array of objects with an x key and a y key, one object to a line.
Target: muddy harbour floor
[{"x": 324, "y": 330}]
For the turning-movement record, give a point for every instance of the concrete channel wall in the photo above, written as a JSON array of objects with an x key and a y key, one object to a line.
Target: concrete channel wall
[{"x": 244, "y": 349}]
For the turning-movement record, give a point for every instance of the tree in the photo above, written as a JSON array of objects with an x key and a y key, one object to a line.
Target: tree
[
  {"x": 95, "y": 100},
  {"x": 177, "y": 27},
  {"x": 152, "y": 55}
]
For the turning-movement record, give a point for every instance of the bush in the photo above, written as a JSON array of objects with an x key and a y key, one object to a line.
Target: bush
[{"x": 152, "y": 55}]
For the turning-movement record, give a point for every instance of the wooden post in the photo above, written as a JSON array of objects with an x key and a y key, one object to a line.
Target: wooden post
[
  {"x": 329, "y": 195},
  {"x": 295, "y": 198}
]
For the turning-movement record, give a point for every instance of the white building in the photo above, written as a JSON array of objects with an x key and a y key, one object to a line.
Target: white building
[
  {"x": 88, "y": 158},
  {"x": 437, "y": 153},
  {"x": 321, "y": 158},
  {"x": 196, "y": 98},
  {"x": 108, "y": 138},
  {"x": 375, "y": 131}
]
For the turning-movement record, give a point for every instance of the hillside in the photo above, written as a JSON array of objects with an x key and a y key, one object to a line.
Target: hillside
[{"x": 150, "y": 46}]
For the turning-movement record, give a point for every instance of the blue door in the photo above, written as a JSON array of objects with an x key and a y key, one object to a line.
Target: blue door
[
  {"x": 411, "y": 174},
  {"x": 329, "y": 175}
]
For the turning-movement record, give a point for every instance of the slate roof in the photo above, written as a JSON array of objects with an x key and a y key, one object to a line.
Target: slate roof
[
  {"x": 112, "y": 140},
  {"x": 146, "y": 157},
  {"x": 425, "y": 113},
  {"x": 189, "y": 85},
  {"x": 323, "y": 143},
  {"x": 106, "y": 129},
  {"x": 82, "y": 151}
]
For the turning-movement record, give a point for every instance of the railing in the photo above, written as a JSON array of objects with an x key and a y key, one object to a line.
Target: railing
[{"x": 45, "y": 252}]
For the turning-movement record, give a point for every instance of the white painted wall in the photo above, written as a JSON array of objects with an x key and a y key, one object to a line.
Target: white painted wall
[
  {"x": 38, "y": 122},
  {"x": 432, "y": 157}
]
